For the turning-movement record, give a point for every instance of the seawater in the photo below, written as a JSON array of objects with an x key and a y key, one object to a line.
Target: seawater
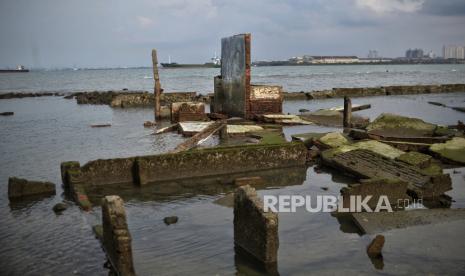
[{"x": 49, "y": 130}]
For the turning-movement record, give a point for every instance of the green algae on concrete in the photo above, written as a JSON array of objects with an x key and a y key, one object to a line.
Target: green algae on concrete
[
  {"x": 399, "y": 126},
  {"x": 453, "y": 150},
  {"x": 371, "y": 145},
  {"x": 334, "y": 139},
  {"x": 418, "y": 159}
]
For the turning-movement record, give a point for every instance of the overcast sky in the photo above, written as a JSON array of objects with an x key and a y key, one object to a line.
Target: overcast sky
[{"x": 107, "y": 33}]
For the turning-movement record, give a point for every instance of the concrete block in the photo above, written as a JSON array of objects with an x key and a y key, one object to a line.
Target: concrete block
[
  {"x": 18, "y": 187},
  {"x": 255, "y": 231},
  {"x": 116, "y": 236}
]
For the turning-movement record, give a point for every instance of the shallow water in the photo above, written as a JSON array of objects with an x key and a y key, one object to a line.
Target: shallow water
[
  {"x": 292, "y": 78},
  {"x": 46, "y": 131}
]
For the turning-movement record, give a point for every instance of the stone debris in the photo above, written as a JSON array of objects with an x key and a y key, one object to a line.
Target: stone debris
[
  {"x": 243, "y": 129},
  {"x": 375, "y": 248},
  {"x": 170, "y": 220},
  {"x": 333, "y": 140},
  {"x": 452, "y": 151},
  {"x": 373, "y": 223},
  {"x": 60, "y": 207},
  {"x": 355, "y": 107},
  {"x": 116, "y": 236},
  {"x": 371, "y": 145},
  {"x": 19, "y": 188},
  {"x": 169, "y": 128},
  {"x": 333, "y": 118},
  {"x": 192, "y": 128},
  {"x": 255, "y": 231},
  {"x": 8, "y": 113}
]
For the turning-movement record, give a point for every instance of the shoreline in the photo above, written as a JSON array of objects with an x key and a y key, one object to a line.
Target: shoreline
[{"x": 128, "y": 98}]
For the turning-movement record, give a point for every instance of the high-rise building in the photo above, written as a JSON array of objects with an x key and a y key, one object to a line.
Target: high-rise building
[
  {"x": 373, "y": 54},
  {"x": 414, "y": 53},
  {"x": 453, "y": 52}
]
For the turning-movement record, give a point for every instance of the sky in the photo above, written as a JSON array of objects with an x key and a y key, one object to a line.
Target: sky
[{"x": 119, "y": 33}]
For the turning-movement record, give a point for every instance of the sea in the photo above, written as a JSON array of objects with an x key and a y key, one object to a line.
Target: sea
[{"x": 46, "y": 131}]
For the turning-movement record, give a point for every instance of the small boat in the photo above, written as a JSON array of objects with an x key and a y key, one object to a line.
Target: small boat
[{"x": 19, "y": 69}]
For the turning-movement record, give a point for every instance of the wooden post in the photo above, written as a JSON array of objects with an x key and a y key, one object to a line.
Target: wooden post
[
  {"x": 347, "y": 116},
  {"x": 157, "y": 88}
]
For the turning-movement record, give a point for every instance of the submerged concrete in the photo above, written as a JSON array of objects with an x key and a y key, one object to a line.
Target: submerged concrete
[
  {"x": 372, "y": 223},
  {"x": 18, "y": 188},
  {"x": 452, "y": 151},
  {"x": 255, "y": 230}
]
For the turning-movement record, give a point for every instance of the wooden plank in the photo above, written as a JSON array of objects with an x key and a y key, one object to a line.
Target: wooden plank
[
  {"x": 204, "y": 134},
  {"x": 157, "y": 87}
]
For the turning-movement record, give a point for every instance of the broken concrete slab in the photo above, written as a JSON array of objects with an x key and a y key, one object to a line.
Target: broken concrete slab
[
  {"x": 392, "y": 125},
  {"x": 452, "y": 151},
  {"x": 416, "y": 159},
  {"x": 192, "y": 128},
  {"x": 365, "y": 164},
  {"x": 255, "y": 230},
  {"x": 355, "y": 107},
  {"x": 371, "y": 145},
  {"x": 116, "y": 236},
  {"x": 334, "y": 140},
  {"x": 332, "y": 118},
  {"x": 284, "y": 119},
  {"x": 395, "y": 190},
  {"x": 373, "y": 223},
  {"x": 19, "y": 188},
  {"x": 243, "y": 129}
]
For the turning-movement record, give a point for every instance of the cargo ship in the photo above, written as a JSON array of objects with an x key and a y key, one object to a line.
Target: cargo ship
[
  {"x": 19, "y": 69},
  {"x": 215, "y": 63}
]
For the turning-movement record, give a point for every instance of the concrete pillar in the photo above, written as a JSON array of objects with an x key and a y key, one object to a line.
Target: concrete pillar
[
  {"x": 116, "y": 236},
  {"x": 347, "y": 116},
  {"x": 255, "y": 231}
]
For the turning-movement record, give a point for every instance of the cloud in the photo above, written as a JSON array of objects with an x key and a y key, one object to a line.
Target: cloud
[
  {"x": 144, "y": 21},
  {"x": 387, "y": 6},
  {"x": 444, "y": 8}
]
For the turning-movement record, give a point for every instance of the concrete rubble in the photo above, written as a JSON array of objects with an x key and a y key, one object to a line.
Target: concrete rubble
[
  {"x": 116, "y": 236},
  {"x": 255, "y": 231},
  {"x": 451, "y": 151},
  {"x": 21, "y": 188}
]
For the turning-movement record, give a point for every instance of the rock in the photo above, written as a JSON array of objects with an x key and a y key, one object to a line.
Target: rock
[
  {"x": 98, "y": 231},
  {"x": 452, "y": 151},
  {"x": 170, "y": 220},
  {"x": 18, "y": 187},
  {"x": 7, "y": 113},
  {"x": 303, "y": 110},
  {"x": 375, "y": 247},
  {"x": 324, "y": 188},
  {"x": 60, "y": 207},
  {"x": 371, "y": 145},
  {"x": 438, "y": 104},
  {"x": 149, "y": 124}
]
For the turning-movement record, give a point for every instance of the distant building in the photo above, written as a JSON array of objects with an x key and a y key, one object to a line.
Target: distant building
[
  {"x": 334, "y": 59},
  {"x": 453, "y": 52},
  {"x": 372, "y": 54},
  {"x": 414, "y": 53}
]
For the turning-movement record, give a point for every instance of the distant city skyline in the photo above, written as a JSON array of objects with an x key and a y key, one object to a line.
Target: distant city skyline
[{"x": 118, "y": 33}]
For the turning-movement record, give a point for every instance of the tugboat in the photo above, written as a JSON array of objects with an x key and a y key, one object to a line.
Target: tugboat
[
  {"x": 215, "y": 63},
  {"x": 19, "y": 69}
]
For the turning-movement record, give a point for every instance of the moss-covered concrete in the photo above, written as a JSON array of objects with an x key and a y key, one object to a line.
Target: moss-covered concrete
[
  {"x": 453, "y": 150},
  {"x": 416, "y": 158},
  {"x": 371, "y": 145},
  {"x": 387, "y": 125}
]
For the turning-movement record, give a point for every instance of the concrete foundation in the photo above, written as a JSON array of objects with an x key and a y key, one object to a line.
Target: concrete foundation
[{"x": 255, "y": 231}]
